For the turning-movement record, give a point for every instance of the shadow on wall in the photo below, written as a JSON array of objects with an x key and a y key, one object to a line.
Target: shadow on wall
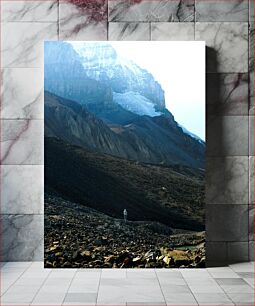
[{"x": 214, "y": 257}]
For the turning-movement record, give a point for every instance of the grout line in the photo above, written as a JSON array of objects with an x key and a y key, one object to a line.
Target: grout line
[
  {"x": 15, "y": 280},
  {"x": 98, "y": 286},
  {"x": 107, "y": 20},
  {"x": 69, "y": 286},
  {"x": 195, "y": 12},
  {"x": 190, "y": 288},
  {"x": 58, "y": 25},
  {"x": 225, "y": 291},
  {"x": 22, "y": 119},
  {"x": 160, "y": 286},
  {"x": 150, "y": 31},
  {"x": 40, "y": 286}
]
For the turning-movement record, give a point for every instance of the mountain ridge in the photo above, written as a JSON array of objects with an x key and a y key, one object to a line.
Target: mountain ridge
[{"x": 148, "y": 139}]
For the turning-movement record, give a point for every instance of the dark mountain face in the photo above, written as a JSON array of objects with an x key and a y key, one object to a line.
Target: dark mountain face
[
  {"x": 169, "y": 195},
  {"x": 101, "y": 81},
  {"x": 66, "y": 77},
  {"x": 102, "y": 63},
  {"x": 111, "y": 144},
  {"x": 71, "y": 122},
  {"x": 119, "y": 108},
  {"x": 146, "y": 139}
]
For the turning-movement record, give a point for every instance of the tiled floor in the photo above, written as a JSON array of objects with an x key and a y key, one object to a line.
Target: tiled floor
[{"x": 27, "y": 283}]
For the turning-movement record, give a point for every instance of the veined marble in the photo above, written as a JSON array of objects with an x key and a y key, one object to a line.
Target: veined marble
[
  {"x": 22, "y": 189},
  {"x": 216, "y": 252},
  {"x": 251, "y": 69},
  {"x": 76, "y": 22},
  {"x": 23, "y": 10},
  {"x": 251, "y": 250},
  {"x": 251, "y": 93},
  {"x": 27, "y": 23},
  {"x": 234, "y": 10},
  {"x": 172, "y": 31},
  {"x": 152, "y": 10},
  {"x": 251, "y": 136},
  {"x": 251, "y": 222},
  {"x": 129, "y": 31},
  {"x": 22, "y": 93},
  {"x": 251, "y": 180},
  {"x": 227, "y": 94},
  {"x": 22, "y": 237},
  {"x": 22, "y": 43},
  {"x": 238, "y": 251},
  {"x": 227, "y": 180},
  {"x": 251, "y": 10},
  {"x": 227, "y": 223},
  {"x": 22, "y": 142},
  {"x": 229, "y": 42},
  {"x": 227, "y": 135}
]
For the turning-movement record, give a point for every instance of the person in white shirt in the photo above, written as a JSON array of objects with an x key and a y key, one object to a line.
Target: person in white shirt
[{"x": 125, "y": 215}]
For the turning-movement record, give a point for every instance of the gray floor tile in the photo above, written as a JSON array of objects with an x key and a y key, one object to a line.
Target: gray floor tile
[
  {"x": 246, "y": 274},
  {"x": 250, "y": 281},
  {"x": 81, "y": 297},
  {"x": 178, "y": 289},
  {"x": 242, "y": 299},
  {"x": 243, "y": 267},
  {"x": 237, "y": 289},
  {"x": 232, "y": 285},
  {"x": 146, "y": 303},
  {"x": 230, "y": 281},
  {"x": 213, "y": 299},
  {"x": 180, "y": 299},
  {"x": 224, "y": 272}
]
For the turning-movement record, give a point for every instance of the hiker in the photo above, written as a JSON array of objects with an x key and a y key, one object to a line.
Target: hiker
[{"x": 125, "y": 215}]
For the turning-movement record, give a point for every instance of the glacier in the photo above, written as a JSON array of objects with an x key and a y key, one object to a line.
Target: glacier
[{"x": 136, "y": 103}]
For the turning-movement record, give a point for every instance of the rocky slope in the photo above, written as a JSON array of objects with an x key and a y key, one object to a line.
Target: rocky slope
[
  {"x": 77, "y": 236},
  {"x": 147, "y": 139},
  {"x": 72, "y": 123},
  {"x": 173, "y": 196}
]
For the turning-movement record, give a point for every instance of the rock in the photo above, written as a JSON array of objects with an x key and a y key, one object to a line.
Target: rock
[
  {"x": 167, "y": 260},
  {"x": 137, "y": 259},
  {"x": 136, "y": 245},
  {"x": 109, "y": 259},
  {"x": 75, "y": 255},
  {"x": 100, "y": 242},
  {"x": 107, "y": 265},
  {"x": 126, "y": 261},
  {"x": 85, "y": 254},
  {"x": 201, "y": 264},
  {"x": 53, "y": 248},
  {"x": 122, "y": 257}
]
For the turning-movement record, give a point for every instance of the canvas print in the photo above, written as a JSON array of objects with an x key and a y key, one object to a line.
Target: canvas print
[{"x": 124, "y": 154}]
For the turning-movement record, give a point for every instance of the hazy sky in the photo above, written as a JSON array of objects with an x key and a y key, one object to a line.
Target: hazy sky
[{"x": 180, "y": 69}]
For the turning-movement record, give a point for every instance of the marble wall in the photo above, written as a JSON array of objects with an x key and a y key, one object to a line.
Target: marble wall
[{"x": 228, "y": 29}]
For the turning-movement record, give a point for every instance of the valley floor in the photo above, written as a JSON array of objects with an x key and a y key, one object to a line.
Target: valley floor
[{"x": 78, "y": 236}]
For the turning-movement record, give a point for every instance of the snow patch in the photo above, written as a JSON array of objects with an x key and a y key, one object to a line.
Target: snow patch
[{"x": 136, "y": 103}]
